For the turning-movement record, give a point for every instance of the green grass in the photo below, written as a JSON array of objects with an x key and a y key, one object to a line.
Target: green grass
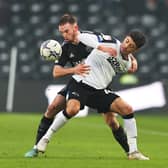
[{"x": 82, "y": 143}]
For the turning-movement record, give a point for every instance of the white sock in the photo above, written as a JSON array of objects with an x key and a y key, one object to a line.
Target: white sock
[
  {"x": 58, "y": 122},
  {"x": 131, "y": 131}
]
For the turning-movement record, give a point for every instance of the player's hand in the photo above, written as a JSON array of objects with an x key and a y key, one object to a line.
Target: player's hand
[
  {"x": 132, "y": 69},
  {"x": 81, "y": 69},
  {"x": 134, "y": 65}
]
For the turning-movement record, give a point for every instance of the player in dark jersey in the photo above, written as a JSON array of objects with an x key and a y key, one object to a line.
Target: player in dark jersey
[{"x": 74, "y": 53}]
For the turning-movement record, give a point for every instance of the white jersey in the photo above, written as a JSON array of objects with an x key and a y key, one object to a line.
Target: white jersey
[{"x": 103, "y": 66}]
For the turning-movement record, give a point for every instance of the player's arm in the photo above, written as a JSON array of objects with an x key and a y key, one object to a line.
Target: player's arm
[
  {"x": 92, "y": 41},
  {"x": 134, "y": 64},
  {"x": 109, "y": 50},
  {"x": 80, "y": 69}
]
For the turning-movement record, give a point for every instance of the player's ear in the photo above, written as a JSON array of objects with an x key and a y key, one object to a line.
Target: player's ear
[{"x": 76, "y": 28}]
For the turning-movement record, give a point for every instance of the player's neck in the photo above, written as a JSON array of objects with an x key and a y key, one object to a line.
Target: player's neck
[
  {"x": 76, "y": 41},
  {"x": 124, "y": 55}
]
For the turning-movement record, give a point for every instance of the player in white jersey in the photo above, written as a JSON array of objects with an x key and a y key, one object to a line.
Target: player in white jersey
[
  {"x": 103, "y": 63},
  {"x": 90, "y": 89},
  {"x": 74, "y": 52}
]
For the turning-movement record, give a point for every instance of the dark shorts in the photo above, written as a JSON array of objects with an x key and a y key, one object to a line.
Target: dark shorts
[
  {"x": 63, "y": 91},
  {"x": 99, "y": 99}
]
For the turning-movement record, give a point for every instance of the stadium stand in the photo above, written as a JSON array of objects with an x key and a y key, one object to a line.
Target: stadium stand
[{"x": 33, "y": 21}]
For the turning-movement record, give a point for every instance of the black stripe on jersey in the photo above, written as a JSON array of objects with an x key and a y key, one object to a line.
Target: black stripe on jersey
[
  {"x": 113, "y": 40},
  {"x": 90, "y": 32}
]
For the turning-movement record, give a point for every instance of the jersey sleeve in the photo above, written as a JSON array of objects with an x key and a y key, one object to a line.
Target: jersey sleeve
[
  {"x": 64, "y": 56},
  {"x": 88, "y": 39}
]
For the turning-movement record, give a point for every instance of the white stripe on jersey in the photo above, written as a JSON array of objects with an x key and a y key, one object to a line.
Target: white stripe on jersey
[{"x": 104, "y": 67}]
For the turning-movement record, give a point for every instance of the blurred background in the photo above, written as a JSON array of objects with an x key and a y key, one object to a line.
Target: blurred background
[{"x": 25, "y": 24}]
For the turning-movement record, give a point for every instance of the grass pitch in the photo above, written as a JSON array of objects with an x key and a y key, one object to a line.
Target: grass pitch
[{"x": 82, "y": 143}]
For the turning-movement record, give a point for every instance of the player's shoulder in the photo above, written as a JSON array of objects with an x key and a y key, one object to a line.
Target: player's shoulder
[
  {"x": 66, "y": 45},
  {"x": 103, "y": 37},
  {"x": 90, "y": 32},
  {"x": 110, "y": 38}
]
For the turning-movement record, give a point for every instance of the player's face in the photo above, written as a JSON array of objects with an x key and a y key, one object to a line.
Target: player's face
[
  {"x": 128, "y": 46},
  {"x": 69, "y": 31}
]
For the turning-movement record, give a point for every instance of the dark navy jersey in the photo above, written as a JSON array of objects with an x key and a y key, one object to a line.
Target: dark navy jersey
[{"x": 73, "y": 53}]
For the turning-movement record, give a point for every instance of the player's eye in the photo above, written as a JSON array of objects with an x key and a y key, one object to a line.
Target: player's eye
[{"x": 127, "y": 40}]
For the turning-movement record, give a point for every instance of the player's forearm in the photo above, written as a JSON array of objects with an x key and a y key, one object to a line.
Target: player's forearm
[
  {"x": 109, "y": 50},
  {"x": 134, "y": 64},
  {"x": 59, "y": 71},
  {"x": 92, "y": 41}
]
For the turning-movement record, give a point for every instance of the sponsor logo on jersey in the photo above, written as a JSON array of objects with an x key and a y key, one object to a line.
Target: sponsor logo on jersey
[
  {"x": 71, "y": 55},
  {"x": 107, "y": 91},
  {"x": 115, "y": 64},
  {"x": 75, "y": 94}
]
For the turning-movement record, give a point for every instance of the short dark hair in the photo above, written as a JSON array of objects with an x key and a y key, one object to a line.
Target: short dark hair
[
  {"x": 138, "y": 37},
  {"x": 67, "y": 18}
]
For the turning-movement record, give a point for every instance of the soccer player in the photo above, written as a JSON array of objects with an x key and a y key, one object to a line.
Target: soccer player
[
  {"x": 75, "y": 52},
  {"x": 90, "y": 89}
]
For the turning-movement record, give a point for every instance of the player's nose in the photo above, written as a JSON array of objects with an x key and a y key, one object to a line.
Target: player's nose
[{"x": 126, "y": 45}]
